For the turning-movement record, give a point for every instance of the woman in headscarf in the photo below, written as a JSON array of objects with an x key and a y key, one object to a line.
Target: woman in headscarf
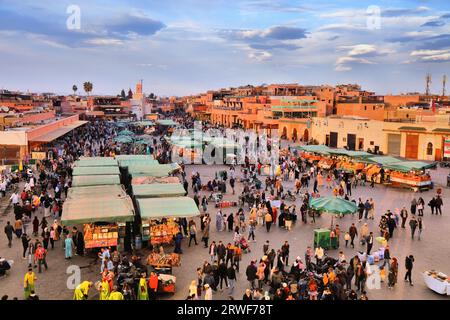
[
  {"x": 193, "y": 290},
  {"x": 219, "y": 221},
  {"x": 68, "y": 245},
  {"x": 142, "y": 289}
]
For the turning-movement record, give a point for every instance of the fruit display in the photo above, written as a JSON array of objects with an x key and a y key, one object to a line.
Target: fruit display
[
  {"x": 169, "y": 259},
  {"x": 163, "y": 233}
]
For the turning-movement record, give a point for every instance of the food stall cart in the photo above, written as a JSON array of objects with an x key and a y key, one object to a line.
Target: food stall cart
[
  {"x": 162, "y": 264},
  {"x": 104, "y": 216},
  {"x": 158, "y": 216},
  {"x": 437, "y": 281},
  {"x": 410, "y": 174}
]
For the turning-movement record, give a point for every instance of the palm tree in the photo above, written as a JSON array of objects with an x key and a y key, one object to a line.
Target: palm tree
[
  {"x": 74, "y": 89},
  {"x": 87, "y": 87}
]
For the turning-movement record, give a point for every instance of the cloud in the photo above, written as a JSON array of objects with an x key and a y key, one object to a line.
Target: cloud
[
  {"x": 359, "y": 49},
  {"x": 431, "y": 55},
  {"x": 260, "y": 55},
  {"x": 52, "y": 29},
  {"x": 403, "y": 12},
  {"x": 255, "y": 6},
  {"x": 436, "y": 23},
  {"x": 275, "y": 33},
  {"x": 134, "y": 24},
  {"x": 268, "y": 46},
  {"x": 104, "y": 42}
]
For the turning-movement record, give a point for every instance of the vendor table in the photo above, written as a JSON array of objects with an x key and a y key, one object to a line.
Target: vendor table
[{"x": 437, "y": 285}]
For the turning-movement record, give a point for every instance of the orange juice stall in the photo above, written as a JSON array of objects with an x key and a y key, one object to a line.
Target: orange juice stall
[{"x": 410, "y": 174}]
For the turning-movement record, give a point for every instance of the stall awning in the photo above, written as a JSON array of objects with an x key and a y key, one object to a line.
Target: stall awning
[
  {"x": 156, "y": 170},
  {"x": 166, "y": 122},
  {"x": 443, "y": 130},
  {"x": 96, "y": 162},
  {"x": 158, "y": 190},
  {"x": 173, "y": 207},
  {"x": 406, "y": 166},
  {"x": 383, "y": 160},
  {"x": 91, "y": 210},
  {"x": 95, "y": 171},
  {"x": 407, "y": 128},
  {"x": 96, "y": 192},
  {"x": 84, "y": 181},
  {"x": 55, "y": 134},
  {"x": 322, "y": 149}
]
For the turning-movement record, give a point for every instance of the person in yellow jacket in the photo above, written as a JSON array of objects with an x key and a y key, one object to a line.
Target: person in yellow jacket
[
  {"x": 82, "y": 290},
  {"x": 116, "y": 295},
  {"x": 28, "y": 282},
  {"x": 143, "y": 290},
  {"x": 104, "y": 290}
]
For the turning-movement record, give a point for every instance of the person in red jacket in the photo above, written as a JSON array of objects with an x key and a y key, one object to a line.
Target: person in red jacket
[{"x": 153, "y": 284}]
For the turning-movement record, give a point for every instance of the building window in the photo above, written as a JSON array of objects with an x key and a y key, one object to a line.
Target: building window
[{"x": 429, "y": 149}]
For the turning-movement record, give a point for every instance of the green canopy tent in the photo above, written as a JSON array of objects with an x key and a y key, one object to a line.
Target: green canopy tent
[
  {"x": 153, "y": 170},
  {"x": 138, "y": 159},
  {"x": 97, "y": 192},
  {"x": 96, "y": 162},
  {"x": 100, "y": 180},
  {"x": 166, "y": 122},
  {"x": 123, "y": 139},
  {"x": 158, "y": 190},
  {"x": 172, "y": 207},
  {"x": 407, "y": 166},
  {"x": 95, "y": 171},
  {"x": 320, "y": 149},
  {"x": 90, "y": 210},
  {"x": 333, "y": 205},
  {"x": 350, "y": 153},
  {"x": 383, "y": 160},
  {"x": 143, "y": 123},
  {"x": 126, "y": 133}
]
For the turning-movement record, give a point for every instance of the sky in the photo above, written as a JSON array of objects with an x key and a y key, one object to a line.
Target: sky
[{"x": 187, "y": 47}]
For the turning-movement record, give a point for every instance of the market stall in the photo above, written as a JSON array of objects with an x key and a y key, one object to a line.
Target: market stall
[
  {"x": 410, "y": 174},
  {"x": 104, "y": 219},
  {"x": 437, "y": 281},
  {"x": 158, "y": 214},
  {"x": 96, "y": 192},
  {"x": 158, "y": 190},
  {"x": 151, "y": 180},
  {"x": 153, "y": 170},
  {"x": 96, "y": 180},
  {"x": 91, "y": 171},
  {"x": 96, "y": 162}
]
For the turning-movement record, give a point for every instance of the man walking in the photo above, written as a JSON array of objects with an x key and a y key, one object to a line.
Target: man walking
[
  {"x": 39, "y": 256},
  {"x": 369, "y": 243},
  {"x": 251, "y": 274},
  {"x": 231, "y": 275},
  {"x": 439, "y": 205},
  {"x": 404, "y": 216},
  {"x": 409, "y": 266},
  {"x": 9, "y": 230},
  {"x": 413, "y": 226},
  {"x": 353, "y": 233}
]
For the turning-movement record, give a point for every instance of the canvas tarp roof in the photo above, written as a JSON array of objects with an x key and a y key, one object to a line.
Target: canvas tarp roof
[
  {"x": 172, "y": 207},
  {"x": 383, "y": 160},
  {"x": 96, "y": 162},
  {"x": 150, "y": 180},
  {"x": 158, "y": 190},
  {"x": 156, "y": 170},
  {"x": 136, "y": 162},
  {"x": 350, "y": 153},
  {"x": 322, "y": 149},
  {"x": 95, "y": 171},
  {"x": 83, "y": 181},
  {"x": 101, "y": 191},
  {"x": 406, "y": 166},
  {"x": 166, "y": 122},
  {"x": 90, "y": 210}
]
